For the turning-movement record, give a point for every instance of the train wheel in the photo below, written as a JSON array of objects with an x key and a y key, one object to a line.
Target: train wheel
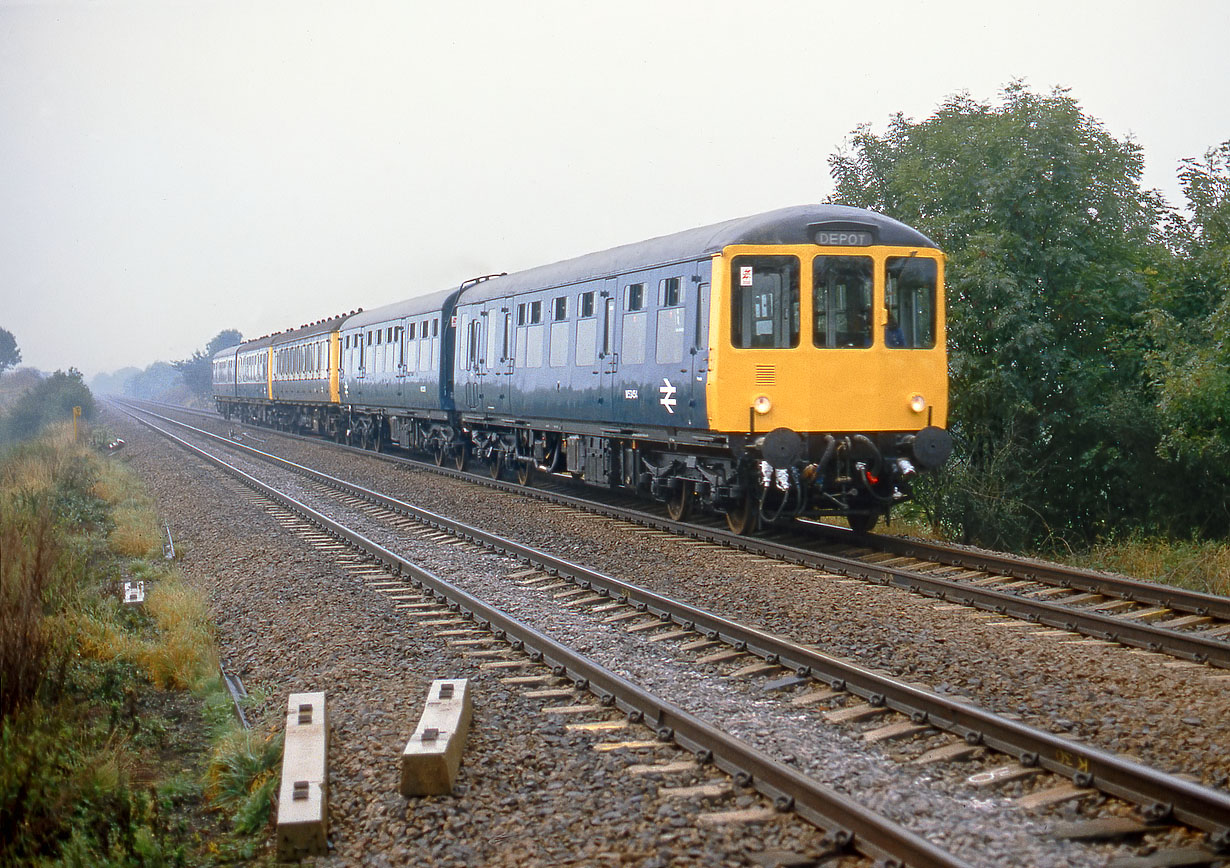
[
  {"x": 437, "y": 454},
  {"x": 496, "y": 465},
  {"x": 525, "y": 472},
  {"x": 460, "y": 456},
  {"x": 679, "y": 504},
  {"x": 744, "y": 518}
]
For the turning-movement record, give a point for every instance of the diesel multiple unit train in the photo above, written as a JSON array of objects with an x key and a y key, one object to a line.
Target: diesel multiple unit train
[{"x": 782, "y": 365}]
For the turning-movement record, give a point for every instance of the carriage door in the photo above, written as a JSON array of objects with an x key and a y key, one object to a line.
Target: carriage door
[
  {"x": 399, "y": 360},
  {"x": 503, "y": 339},
  {"x": 493, "y": 383},
  {"x": 608, "y": 353},
  {"x": 362, "y": 359},
  {"x": 697, "y": 413},
  {"x": 474, "y": 352}
]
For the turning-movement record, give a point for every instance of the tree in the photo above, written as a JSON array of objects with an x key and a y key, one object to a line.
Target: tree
[
  {"x": 1191, "y": 327},
  {"x": 197, "y": 370},
  {"x": 51, "y": 400},
  {"x": 10, "y": 355},
  {"x": 1050, "y": 240}
]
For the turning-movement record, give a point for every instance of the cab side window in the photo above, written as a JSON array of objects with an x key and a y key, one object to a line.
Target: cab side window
[
  {"x": 764, "y": 302},
  {"x": 909, "y": 293}
]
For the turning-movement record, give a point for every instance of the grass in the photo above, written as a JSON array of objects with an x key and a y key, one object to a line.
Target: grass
[
  {"x": 1196, "y": 565},
  {"x": 1199, "y": 565},
  {"x": 242, "y": 776},
  {"x": 102, "y": 704}
]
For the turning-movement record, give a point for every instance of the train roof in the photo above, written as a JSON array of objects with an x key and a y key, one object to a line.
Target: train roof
[
  {"x": 320, "y": 327},
  {"x": 423, "y": 304},
  {"x": 245, "y": 347},
  {"x": 795, "y": 225}
]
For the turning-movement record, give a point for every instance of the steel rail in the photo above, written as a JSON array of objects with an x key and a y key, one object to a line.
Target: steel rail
[
  {"x": 1089, "y": 581},
  {"x": 1191, "y": 646},
  {"x": 1183, "y": 644},
  {"x": 847, "y": 823},
  {"x": 1014, "y": 566},
  {"x": 1161, "y": 795}
]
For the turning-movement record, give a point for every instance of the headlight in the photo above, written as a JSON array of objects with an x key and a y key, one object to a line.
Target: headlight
[
  {"x": 762, "y": 404},
  {"x": 918, "y": 403}
]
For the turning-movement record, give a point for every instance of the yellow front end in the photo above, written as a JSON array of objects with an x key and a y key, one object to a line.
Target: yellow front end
[{"x": 827, "y": 339}]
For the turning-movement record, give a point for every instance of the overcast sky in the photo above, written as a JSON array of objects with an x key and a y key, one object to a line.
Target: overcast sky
[{"x": 172, "y": 169}]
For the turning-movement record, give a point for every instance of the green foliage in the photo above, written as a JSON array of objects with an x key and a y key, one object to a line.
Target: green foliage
[
  {"x": 1050, "y": 242},
  {"x": 51, "y": 400},
  {"x": 159, "y": 382},
  {"x": 1191, "y": 329},
  {"x": 83, "y": 734},
  {"x": 197, "y": 370},
  {"x": 243, "y": 777},
  {"x": 28, "y": 556},
  {"x": 65, "y": 797},
  {"x": 10, "y": 355}
]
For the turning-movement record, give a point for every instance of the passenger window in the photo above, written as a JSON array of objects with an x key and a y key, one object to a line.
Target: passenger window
[
  {"x": 634, "y": 296},
  {"x": 411, "y": 331},
  {"x": 668, "y": 292},
  {"x": 435, "y": 327},
  {"x": 587, "y": 339},
  {"x": 559, "y": 309},
  {"x": 670, "y": 335},
  {"x": 587, "y": 304},
  {"x": 533, "y": 346},
  {"x": 841, "y": 301},
  {"x": 633, "y": 350},
  {"x": 909, "y": 294},
  {"x": 560, "y": 332},
  {"x": 535, "y": 312},
  {"x": 764, "y": 302}
]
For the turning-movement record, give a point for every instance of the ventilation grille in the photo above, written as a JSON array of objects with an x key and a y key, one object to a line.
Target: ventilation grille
[{"x": 766, "y": 375}]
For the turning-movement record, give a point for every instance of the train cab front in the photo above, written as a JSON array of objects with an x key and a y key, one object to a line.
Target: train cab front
[{"x": 829, "y": 371}]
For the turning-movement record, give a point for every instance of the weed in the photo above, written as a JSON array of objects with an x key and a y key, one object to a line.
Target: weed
[
  {"x": 28, "y": 557},
  {"x": 183, "y": 655},
  {"x": 1197, "y": 565},
  {"x": 242, "y": 777},
  {"x": 80, "y": 748}
]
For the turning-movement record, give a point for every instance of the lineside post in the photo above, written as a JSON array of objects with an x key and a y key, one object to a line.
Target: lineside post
[
  {"x": 432, "y": 757},
  {"x": 303, "y": 800}
]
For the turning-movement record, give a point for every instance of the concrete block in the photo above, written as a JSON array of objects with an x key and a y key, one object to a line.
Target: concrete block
[
  {"x": 303, "y": 800},
  {"x": 432, "y": 757}
]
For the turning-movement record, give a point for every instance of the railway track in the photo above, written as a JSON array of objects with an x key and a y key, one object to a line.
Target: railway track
[
  {"x": 1187, "y": 625},
  {"x": 849, "y": 825},
  {"x": 820, "y": 678}
]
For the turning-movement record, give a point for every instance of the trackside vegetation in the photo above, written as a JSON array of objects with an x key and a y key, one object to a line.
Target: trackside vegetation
[
  {"x": 118, "y": 742},
  {"x": 1089, "y": 330}
]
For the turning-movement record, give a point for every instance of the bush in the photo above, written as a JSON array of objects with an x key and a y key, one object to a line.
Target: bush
[{"x": 51, "y": 400}]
